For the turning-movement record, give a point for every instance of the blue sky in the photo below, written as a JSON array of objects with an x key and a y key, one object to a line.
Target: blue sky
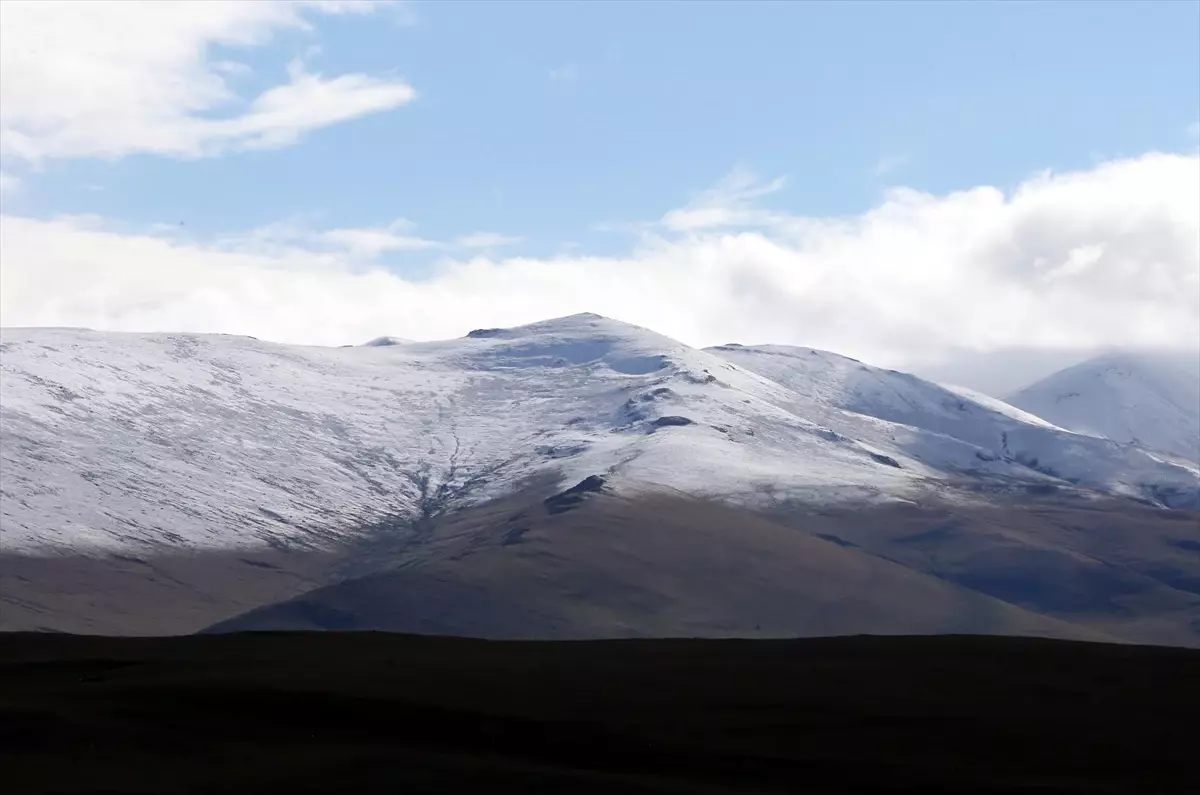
[
  {"x": 901, "y": 182},
  {"x": 543, "y": 119}
]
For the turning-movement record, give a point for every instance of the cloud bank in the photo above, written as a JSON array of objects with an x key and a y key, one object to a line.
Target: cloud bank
[
  {"x": 109, "y": 78},
  {"x": 1072, "y": 261}
]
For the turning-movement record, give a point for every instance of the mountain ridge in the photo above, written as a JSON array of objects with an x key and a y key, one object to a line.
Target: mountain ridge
[
  {"x": 204, "y": 440},
  {"x": 168, "y": 482}
]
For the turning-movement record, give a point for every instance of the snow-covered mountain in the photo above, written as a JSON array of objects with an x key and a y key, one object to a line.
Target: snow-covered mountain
[
  {"x": 112, "y": 441},
  {"x": 898, "y": 410},
  {"x": 1149, "y": 400}
]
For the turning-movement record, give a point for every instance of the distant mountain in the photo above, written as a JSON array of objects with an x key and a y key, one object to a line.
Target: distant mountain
[
  {"x": 1151, "y": 400},
  {"x": 164, "y": 482}
]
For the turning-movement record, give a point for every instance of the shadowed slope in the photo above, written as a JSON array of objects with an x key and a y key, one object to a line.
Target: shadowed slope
[
  {"x": 659, "y": 565},
  {"x": 588, "y": 563}
]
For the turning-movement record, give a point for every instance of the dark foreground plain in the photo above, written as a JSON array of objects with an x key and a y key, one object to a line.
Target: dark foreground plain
[{"x": 376, "y": 712}]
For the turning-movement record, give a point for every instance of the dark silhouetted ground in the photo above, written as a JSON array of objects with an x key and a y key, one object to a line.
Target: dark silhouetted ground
[{"x": 373, "y": 712}]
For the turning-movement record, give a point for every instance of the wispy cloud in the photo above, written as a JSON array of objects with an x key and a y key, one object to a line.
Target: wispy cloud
[
  {"x": 109, "y": 78},
  {"x": 487, "y": 240},
  {"x": 300, "y": 235},
  {"x": 729, "y": 203},
  {"x": 402, "y": 13},
  {"x": 8, "y": 182},
  {"x": 230, "y": 68},
  {"x": 1194, "y": 129},
  {"x": 373, "y": 242},
  {"x": 355, "y": 245},
  {"x": 891, "y": 163},
  {"x": 564, "y": 74}
]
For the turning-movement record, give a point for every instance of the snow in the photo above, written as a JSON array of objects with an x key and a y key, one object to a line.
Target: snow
[
  {"x": 128, "y": 441},
  {"x": 947, "y": 426},
  {"x": 999, "y": 406},
  {"x": 1149, "y": 400}
]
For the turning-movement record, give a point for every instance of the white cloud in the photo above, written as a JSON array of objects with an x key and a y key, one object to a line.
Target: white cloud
[
  {"x": 564, "y": 74},
  {"x": 1106, "y": 256},
  {"x": 107, "y": 78},
  {"x": 8, "y": 183},
  {"x": 487, "y": 240}
]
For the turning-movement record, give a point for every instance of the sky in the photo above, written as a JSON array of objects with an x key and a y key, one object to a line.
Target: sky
[{"x": 977, "y": 191}]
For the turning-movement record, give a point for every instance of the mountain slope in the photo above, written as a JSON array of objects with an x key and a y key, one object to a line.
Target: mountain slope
[
  {"x": 123, "y": 441},
  {"x": 651, "y": 566},
  {"x": 1149, "y": 400},
  {"x": 131, "y": 441},
  {"x": 161, "y": 483},
  {"x": 588, "y": 562}
]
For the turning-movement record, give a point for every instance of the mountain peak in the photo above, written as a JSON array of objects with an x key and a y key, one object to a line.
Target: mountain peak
[
  {"x": 580, "y": 322},
  {"x": 384, "y": 342},
  {"x": 583, "y": 321},
  {"x": 579, "y": 338}
]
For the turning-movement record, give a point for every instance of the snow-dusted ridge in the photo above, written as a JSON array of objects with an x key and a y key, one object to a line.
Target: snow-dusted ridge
[
  {"x": 117, "y": 441},
  {"x": 920, "y": 417}
]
